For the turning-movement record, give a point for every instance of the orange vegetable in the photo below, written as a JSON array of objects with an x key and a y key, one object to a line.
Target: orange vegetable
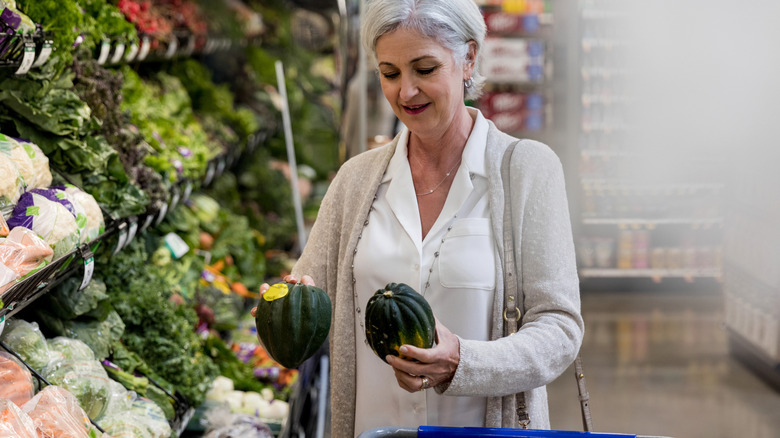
[{"x": 16, "y": 383}]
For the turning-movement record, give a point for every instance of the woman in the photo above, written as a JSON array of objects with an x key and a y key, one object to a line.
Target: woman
[{"x": 426, "y": 210}]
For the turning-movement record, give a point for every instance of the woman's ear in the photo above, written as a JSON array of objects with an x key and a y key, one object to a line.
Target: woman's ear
[{"x": 471, "y": 57}]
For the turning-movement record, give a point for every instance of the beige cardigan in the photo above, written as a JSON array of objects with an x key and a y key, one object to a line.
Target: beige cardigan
[{"x": 552, "y": 327}]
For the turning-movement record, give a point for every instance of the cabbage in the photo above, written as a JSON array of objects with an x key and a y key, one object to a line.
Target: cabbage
[
  {"x": 50, "y": 220},
  {"x": 18, "y": 155}
]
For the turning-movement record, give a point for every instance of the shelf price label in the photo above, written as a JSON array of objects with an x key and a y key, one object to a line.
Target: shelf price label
[
  {"x": 27, "y": 59},
  {"x": 187, "y": 191},
  {"x": 174, "y": 44},
  {"x": 209, "y": 174},
  {"x": 145, "y": 46},
  {"x": 89, "y": 267},
  {"x": 163, "y": 212},
  {"x": 122, "y": 239},
  {"x": 118, "y": 52},
  {"x": 105, "y": 48},
  {"x": 132, "y": 230},
  {"x": 44, "y": 56},
  {"x": 132, "y": 52}
]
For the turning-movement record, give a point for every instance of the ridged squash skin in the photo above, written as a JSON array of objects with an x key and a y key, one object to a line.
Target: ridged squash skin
[
  {"x": 294, "y": 326},
  {"x": 398, "y": 315}
]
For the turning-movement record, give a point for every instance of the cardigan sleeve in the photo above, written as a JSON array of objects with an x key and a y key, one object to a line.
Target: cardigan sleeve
[{"x": 552, "y": 327}]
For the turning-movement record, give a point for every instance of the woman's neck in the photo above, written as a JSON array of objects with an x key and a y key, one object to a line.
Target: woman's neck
[{"x": 441, "y": 151}]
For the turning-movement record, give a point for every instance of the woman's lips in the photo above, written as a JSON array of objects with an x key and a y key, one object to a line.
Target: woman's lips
[{"x": 415, "y": 109}]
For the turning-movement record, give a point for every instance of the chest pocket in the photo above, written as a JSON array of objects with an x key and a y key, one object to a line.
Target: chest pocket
[{"x": 467, "y": 259}]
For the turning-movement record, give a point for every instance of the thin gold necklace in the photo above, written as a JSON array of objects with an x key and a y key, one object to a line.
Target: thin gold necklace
[{"x": 442, "y": 181}]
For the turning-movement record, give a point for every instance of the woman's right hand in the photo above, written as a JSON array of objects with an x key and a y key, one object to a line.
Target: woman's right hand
[{"x": 307, "y": 280}]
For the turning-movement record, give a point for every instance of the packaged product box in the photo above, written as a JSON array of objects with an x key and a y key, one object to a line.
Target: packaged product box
[{"x": 507, "y": 23}]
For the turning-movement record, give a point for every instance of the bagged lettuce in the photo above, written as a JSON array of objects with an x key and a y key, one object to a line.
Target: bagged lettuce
[
  {"x": 143, "y": 419},
  {"x": 85, "y": 379},
  {"x": 26, "y": 339},
  {"x": 71, "y": 349},
  {"x": 66, "y": 301},
  {"x": 14, "y": 422},
  {"x": 50, "y": 220}
]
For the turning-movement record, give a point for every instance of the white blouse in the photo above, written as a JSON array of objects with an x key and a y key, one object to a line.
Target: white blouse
[{"x": 462, "y": 281}]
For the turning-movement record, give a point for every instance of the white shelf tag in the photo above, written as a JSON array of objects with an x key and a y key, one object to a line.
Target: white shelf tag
[
  {"x": 89, "y": 269},
  {"x": 44, "y": 56},
  {"x": 132, "y": 52},
  {"x": 187, "y": 191},
  {"x": 145, "y": 45},
  {"x": 122, "y": 240},
  {"x": 118, "y": 52},
  {"x": 147, "y": 222},
  {"x": 27, "y": 59},
  {"x": 132, "y": 231},
  {"x": 175, "y": 198},
  {"x": 161, "y": 215},
  {"x": 172, "y": 48},
  {"x": 176, "y": 244},
  {"x": 105, "y": 48}
]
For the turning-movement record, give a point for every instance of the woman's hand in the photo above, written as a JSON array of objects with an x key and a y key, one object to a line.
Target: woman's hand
[
  {"x": 289, "y": 279},
  {"x": 427, "y": 367}
]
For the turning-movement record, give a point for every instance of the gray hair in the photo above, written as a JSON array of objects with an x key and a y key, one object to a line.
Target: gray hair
[{"x": 452, "y": 23}]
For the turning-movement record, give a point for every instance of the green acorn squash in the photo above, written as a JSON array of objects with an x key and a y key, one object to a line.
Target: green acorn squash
[
  {"x": 293, "y": 320},
  {"x": 398, "y": 315}
]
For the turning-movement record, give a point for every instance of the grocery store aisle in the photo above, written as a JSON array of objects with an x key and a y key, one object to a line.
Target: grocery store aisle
[{"x": 657, "y": 363}]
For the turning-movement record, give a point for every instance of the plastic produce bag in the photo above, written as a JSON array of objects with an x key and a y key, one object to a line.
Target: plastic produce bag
[
  {"x": 143, "y": 419},
  {"x": 50, "y": 220},
  {"x": 26, "y": 339},
  {"x": 40, "y": 163},
  {"x": 18, "y": 155},
  {"x": 99, "y": 335},
  {"x": 16, "y": 381},
  {"x": 96, "y": 224},
  {"x": 57, "y": 414},
  {"x": 68, "y": 302},
  {"x": 11, "y": 185},
  {"x": 120, "y": 401},
  {"x": 85, "y": 379},
  {"x": 4, "y": 228},
  {"x": 8, "y": 278},
  {"x": 60, "y": 196},
  {"x": 24, "y": 252},
  {"x": 71, "y": 349},
  {"x": 223, "y": 424},
  {"x": 14, "y": 423}
]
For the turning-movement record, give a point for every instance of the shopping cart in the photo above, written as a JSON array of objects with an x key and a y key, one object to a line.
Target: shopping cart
[{"x": 485, "y": 432}]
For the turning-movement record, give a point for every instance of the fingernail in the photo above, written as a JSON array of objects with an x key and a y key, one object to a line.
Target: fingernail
[{"x": 403, "y": 350}]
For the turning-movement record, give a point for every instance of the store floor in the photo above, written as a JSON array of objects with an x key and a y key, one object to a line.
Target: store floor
[{"x": 658, "y": 363}]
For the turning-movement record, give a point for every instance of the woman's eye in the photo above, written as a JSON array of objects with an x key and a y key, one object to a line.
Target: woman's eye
[
  {"x": 390, "y": 75},
  {"x": 425, "y": 71}
]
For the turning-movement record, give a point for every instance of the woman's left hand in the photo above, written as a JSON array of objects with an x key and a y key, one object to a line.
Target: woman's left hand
[{"x": 425, "y": 368}]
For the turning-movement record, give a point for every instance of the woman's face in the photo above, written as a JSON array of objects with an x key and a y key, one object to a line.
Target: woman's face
[{"x": 421, "y": 81}]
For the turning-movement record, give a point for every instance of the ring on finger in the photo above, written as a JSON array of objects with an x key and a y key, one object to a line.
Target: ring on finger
[{"x": 424, "y": 383}]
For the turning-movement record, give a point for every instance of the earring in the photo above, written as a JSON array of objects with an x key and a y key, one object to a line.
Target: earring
[{"x": 468, "y": 82}]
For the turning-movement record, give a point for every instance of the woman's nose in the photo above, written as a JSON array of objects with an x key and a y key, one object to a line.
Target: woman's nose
[{"x": 408, "y": 88}]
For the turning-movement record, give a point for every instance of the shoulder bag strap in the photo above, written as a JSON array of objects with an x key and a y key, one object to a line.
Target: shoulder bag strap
[{"x": 513, "y": 295}]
